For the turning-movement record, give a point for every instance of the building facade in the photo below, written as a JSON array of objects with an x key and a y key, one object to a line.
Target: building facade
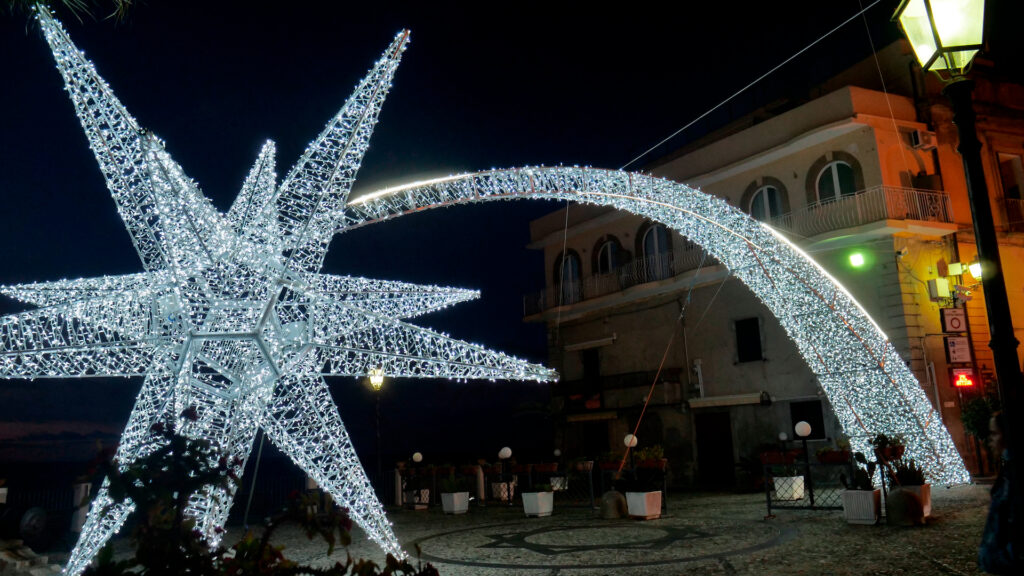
[{"x": 869, "y": 183}]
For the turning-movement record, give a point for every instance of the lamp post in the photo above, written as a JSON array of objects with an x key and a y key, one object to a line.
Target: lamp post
[
  {"x": 377, "y": 382},
  {"x": 803, "y": 430},
  {"x": 945, "y": 35}
]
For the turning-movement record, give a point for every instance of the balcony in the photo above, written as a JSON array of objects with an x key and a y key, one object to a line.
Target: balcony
[
  {"x": 639, "y": 271},
  {"x": 873, "y": 205}
]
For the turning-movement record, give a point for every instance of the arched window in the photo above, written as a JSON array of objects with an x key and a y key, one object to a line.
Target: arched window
[
  {"x": 657, "y": 250},
  {"x": 835, "y": 180},
  {"x": 607, "y": 257},
  {"x": 568, "y": 278},
  {"x": 766, "y": 204}
]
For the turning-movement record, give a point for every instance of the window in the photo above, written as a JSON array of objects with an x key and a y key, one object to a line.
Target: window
[
  {"x": 834, "y": 181},
  {"x": 657, "y": 249},
  {"x": 607, "y": 257},
  {"x": 1011, "y": 173},
  {"x": 766, "y": 204},
  {"x": 808, "y": 411},
  {"x": 567, "y": 278},
  {"x": 748, "y": 340}
]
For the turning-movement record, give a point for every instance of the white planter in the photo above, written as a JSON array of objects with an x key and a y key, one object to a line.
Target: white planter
[
  {"x": 862, "y": 506},
  {"x": 417, "y": 499},
  {"x": 80, "y": 498},
  {"x": 3, "y": 495},
  {"x": 503, "y": 490},
  {"x": 789, "y": 487},
  {"x": 538, "y": 503},
  {"x": 559, "y": 483},
  {"x": 455, "y": 502},
  {"x": 924, "y": 493},
  {"x": 646, "y": 505}
]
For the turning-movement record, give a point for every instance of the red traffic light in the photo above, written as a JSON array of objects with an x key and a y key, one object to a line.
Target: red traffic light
[{"x": 963, "y": 378}]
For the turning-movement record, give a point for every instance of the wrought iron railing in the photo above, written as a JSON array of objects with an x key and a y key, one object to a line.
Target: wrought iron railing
[
  {"x": 864, "y": 207},
  {"x": 1015, "y": 214},
  {"x": 639, "y": 271}
]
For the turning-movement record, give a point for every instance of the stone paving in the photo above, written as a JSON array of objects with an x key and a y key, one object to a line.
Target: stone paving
[{"x": 701, "y": 534}]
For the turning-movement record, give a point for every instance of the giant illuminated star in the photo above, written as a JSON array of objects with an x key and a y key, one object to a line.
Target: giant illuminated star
[{"x": 232, "y": 315}]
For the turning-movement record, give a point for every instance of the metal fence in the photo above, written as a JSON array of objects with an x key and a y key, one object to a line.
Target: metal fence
[
  {"x": 636, "y": 272},
  {"x": 869, "y": 205},
  {"x": 813, "y": 486}
]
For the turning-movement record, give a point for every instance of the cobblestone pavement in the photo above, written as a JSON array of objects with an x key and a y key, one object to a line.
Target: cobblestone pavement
[{"x": 702, "y": 534}]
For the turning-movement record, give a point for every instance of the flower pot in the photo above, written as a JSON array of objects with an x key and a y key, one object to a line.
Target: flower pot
[
  {"x": 3, "y": 495},
  {"x": 503, "y": 490},
  {"x": 538, "y": 504},
  {"x": 834, "y": 457},
  {"x": 645, "y": 505},
  {"x": 890, "y": 453},
  {"x": 789, "y": 487},
  {"x": 608, "y": 465},
  {"x": 653, "y": 464},
  {"x": 924, "y": 494},
  {"x": 455, "y": 502},
  {"x": 559, "y": 483},
  {"x": 903, "y": 507},
  {"x": 546, "y": 468},
  {"x": 778, "y": 457},
  {"x": 417, "y": 499},
  {"x": 585, "y": 466},
  {"x": 862, "y": 506}
]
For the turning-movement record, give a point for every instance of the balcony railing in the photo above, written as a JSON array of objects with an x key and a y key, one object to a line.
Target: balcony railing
[
  {"x": 639, "y": 271},
  {"x": 864, "y": 207},
  {"x": 1015, "y": 214}
]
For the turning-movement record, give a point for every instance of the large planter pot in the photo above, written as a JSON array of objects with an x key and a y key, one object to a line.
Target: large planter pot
[
  {"x": 924, "y": 494},
  {"x": 903, "y": 507},
  {"x": 789, "y": 487},
  {"x": 862, "y": 506},
  {"x": 455, "y": 502},
  {"x": 645, "y": 505},
  {"x": 538, "y": 504},
  {"x": 417, "y": 499}
]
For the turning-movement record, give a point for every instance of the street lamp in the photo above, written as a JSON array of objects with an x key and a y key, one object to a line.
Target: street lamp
[
  {"x": 376, "y": 376},
  {"x": 945, "y": 35}
]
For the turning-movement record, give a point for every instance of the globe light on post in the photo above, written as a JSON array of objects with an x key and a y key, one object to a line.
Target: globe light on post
[
  {"x": 417, "y": 457},
  {"x": 802, "y": 429},
  {"x": 505, "y": 453},
  {"x": 557, "y": 453},
  {"x": 629, "y": 441}
]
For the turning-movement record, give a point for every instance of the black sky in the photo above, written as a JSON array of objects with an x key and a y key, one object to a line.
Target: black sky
[{"x": 481, "y": 86}]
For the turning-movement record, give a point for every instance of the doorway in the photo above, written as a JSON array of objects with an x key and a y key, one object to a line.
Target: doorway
[{"x": 715, "y": 466}]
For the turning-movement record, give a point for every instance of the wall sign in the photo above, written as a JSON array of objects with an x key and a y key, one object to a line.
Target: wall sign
[{"x": 953, "y": 319}]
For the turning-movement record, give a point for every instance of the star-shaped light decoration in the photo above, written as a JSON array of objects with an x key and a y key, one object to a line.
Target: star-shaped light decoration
[{"x": 232, "y": 315}]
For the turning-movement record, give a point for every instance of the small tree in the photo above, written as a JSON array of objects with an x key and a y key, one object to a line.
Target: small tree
[{"x": 167, "y": 542}]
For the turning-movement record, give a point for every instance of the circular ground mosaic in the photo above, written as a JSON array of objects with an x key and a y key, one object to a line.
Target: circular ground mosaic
[{"x": 551, "y": 543}]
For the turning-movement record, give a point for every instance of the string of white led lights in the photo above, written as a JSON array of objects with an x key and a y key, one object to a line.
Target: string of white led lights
[{"x": 868, "y": 385}]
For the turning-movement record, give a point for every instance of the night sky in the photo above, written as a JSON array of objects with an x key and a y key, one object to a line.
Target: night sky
[{"x": 478, "y": 88}]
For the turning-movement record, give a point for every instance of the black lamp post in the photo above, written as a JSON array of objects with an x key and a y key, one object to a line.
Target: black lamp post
[
  {"x": 377, "y": 382},
  {"x": 945, "y": 36}
]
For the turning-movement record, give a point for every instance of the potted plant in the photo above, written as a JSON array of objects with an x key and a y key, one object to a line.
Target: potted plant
[
  {"x": 788, "y": 482},
  {"x": 609, "y": 461},
  {"x": 651, "y": 457},
  {"x": 775, "y": 457},
  {"x": 838, "y": 454},
  {"x": 888, "y": 448},
  {"x": 455, "y": 494},
  {"x": 643, "y": 496},
  {"x": 415, "y": 493},
  {"x": 539, "y": 503},
  {"x": 862, "y": 502},
  {"x": 909, "y": 500}
]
